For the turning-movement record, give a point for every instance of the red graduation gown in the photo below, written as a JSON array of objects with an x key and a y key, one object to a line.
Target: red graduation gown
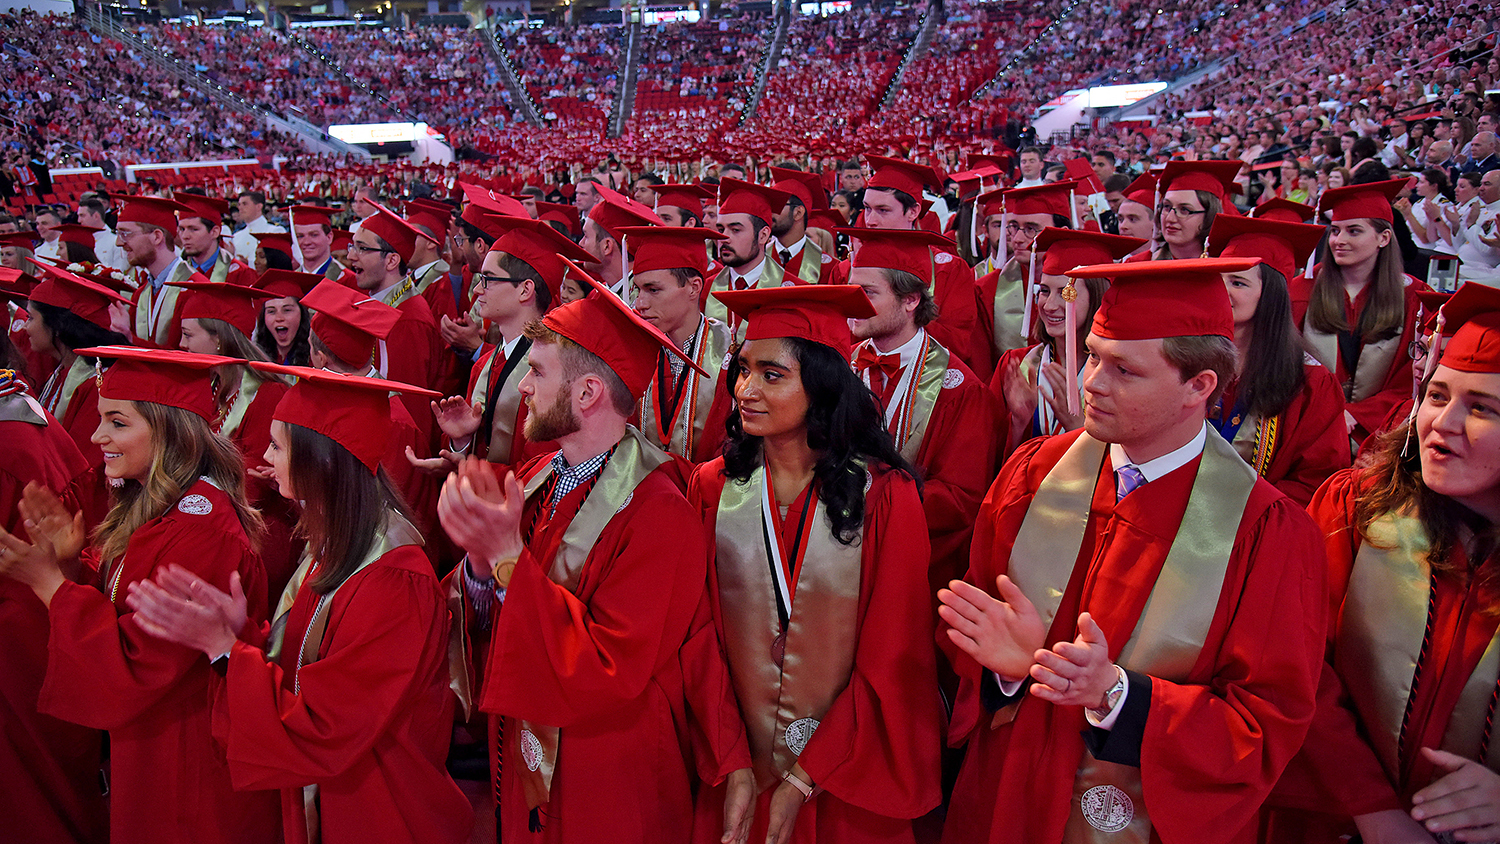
[
  {"x": 169, "y": 780},
  {"x": 1211, "y": 748},
  {"x": 521, "y": 449},
  {"x": 875, "y": 752},
  {"x": 1337, "y": 775},
  {"x": 1311, "y": 441},
  {"x": 411, "y": 357},
  {"x": 603, "y": 664},
  {"x": 279, "y": 549},
  {"x": 1396, "y": 387},
  {"x": 49, "y": 767},
  {"x": 371, "y": 722},
  {"x": 957, "y": 327}
]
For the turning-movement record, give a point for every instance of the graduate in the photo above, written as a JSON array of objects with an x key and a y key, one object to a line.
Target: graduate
[
  {"x": 1283, "y": 411},
  {"x": 833, "y": 583},
  {"x": 1191, "y": 196},
  {"x": 217, "y": 319},
  {"x": 587, "y": 567},
  {"x": 147, "y": 234},
  {"x": 681, "y": 412},
  {"x": 1111, "y": 633},
  {"x": 282, "y": 329},
  {"x": 1032, "y": 383},
  {"x": 938, "y": 412},
  {"x": 181, "y": 502},
  {"x": 50, "y": 767},
  {"x": 1015, "y": 218},
  {"x": 1400, "y": 748},
  {"x": 344, "y": 702},
  {"x": 1358, "y": 311}
]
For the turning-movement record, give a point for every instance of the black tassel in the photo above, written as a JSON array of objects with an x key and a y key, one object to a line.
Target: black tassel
[{"x": 534, "y": 824}]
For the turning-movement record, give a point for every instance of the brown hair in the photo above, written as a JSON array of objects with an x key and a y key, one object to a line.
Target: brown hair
[
  {"x": 344, "y": 504},
  {"x": 1212, "y": 208},
  {"x": 1194, "y": 354},
  {"x": 1389, "y": 482},
  {"x": 184, "y": 449},
  {"x": 1385, "y": 311},
  {"x": 522, "y": 271},
  {"x": 1096, "y": 288},
  {"x": 905, "y": 284},
  {"x": 578, "y": 361},
  {"x": 234, "y": 344}
]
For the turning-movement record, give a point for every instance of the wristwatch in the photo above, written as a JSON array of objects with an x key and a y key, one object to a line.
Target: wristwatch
[{"x": 1111, "y": 697}]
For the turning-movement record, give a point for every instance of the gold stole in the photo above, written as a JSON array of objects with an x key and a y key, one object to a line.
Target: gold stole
[
  {"x": 401, "y": 292},
  {"x": 1258, "y": 447},
  {"x": 1374, "y": 361},
  {"x": 1381, "y": 627},
  {"x": 335, "y": 270},
  {"x": 434, "y": 272},
  {"x": 634, "y": 458},
  {"x": 811, "y": 268},
  {"x": 150, "y": 322},
  {"x": 398, "y": 532},
  {"x": 1008, "y": 309},
  {"x": 222, "y": 264},
  {"x": 771, "y": 275},
  {"x": 781, "y": 704},
  {"x": 249, "y": 384},
  {"x": 78, "y": 373},
  {"x": 909, "y": 427},
  {"x": 503, "y": 427},
  {"x": 1168, "y": 637},
  {"x": 698, "y": 395}
]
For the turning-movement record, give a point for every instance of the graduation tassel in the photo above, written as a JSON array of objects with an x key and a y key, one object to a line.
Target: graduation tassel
[
  {"x": 1073, "y": 207},
  {"x": 974, "y": 211},
  {"x": 1026, "y": 302},
  {"x": 1070, "y": 340},
  {"x": 534, "y": 822},
  {"x": 1004, "y": 236}
]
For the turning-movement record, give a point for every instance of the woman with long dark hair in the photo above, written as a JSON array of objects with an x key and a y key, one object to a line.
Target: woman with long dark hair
[
  {"x": 284, "y": 326},
  {"x": 821, "y": 563},
  {"x": 1032, "y": 382},
  {"x": 1402, "y": 746},
  {"x": 1281, "y": 412},
  {"x": 180, "y": 502},
  {"x": 343, "y": 701},
  {"x": 1357, "y": 312}
]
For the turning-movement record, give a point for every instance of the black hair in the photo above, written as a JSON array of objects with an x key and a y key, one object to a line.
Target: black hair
[
  {"x": 73, "y": 331},
  {"x": 278, "y": 260},
  {"x": 1273, "y": 373},
  {"x": 301, "y": 341},
  {"x": 844, "y": 426}
]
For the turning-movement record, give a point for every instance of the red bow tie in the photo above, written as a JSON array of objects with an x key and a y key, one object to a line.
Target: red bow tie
[{"x": 882, "y": 369}]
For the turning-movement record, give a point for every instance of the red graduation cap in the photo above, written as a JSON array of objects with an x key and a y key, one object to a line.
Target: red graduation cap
[
  {"x": 1472, "y": 319},
  {"x": 602, "y": 323},
  {"x": 352, "y": 410},
  {"x": 1432, "y": 302},
  {"x": 231, "y": 303},
  {"x": 341, "y": 239},
  {"x": 829, "y": 219},
  {"x": 1285, "y": 247},
  {"x": 349, "y": 322},
  {"x": 686, "y": 197},
  {"x": 401, "y": 235},
  {"x": 311, "y": 215},
  {"x": 16, "y": 286},
  {"x": 816, "y": 312},
  {"x": 1284, "y": 210},
  {"x": 1055, "y": 199},
  {"x": 61, "y": 289},
  {"x": 904, "y": 250},
  {"x": 807, "y": 187},
  {"x": 21, "y": 240},
  {"x": 1081, "y": 171},
  {"x": 970, "y": 181},
  {"x": 100, "y": 274},
  {"x": 904, "y": 176},
  {"x": 495, "y": 203},
  {"x": 287, "y": 284},
  {"x": 562, "y": 213},
  {"x": 1001, "y": 161},
  {"x": 160, "y": 376},
  {"x": 1368, "y": 201},
  {"x": 1148, "y": 300},
  {"x": 74, "y": 233},
  {"x": 738, "y": 197},
  {"x": 434, "y": 216},
  {"x": 669, "y": 247},
  {"x": 613, "y": 215},
  {"x": 1216, "y": 177},
  {"x": 1143, "y": 190},
  {"x": 206, "y": 207},
  {"x": 152, "y": 211},
  {"x": 542, "y": 247},
  {"x": 276, "y": 241},
  {"x": 1064, "y": 249}
]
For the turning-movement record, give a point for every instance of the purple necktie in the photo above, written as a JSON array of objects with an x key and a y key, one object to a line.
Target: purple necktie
[{"x": 1127, "y": 478}]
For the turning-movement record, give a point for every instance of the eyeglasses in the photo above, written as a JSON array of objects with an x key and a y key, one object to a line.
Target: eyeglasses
[
  {"x": 484, "y": 280},
  {"x": 1182, "y": 211},
  {"x": 1417, "y": 349},
  {"x": 1030, "y": 229},
  {"x": 361, "y": 249}
]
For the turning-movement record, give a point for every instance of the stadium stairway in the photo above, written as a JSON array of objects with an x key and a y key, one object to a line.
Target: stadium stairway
[
  {"x": 773, "y": 56},
  {"x": 313, "y": 137},
  {"x": 625, "y": 94},
  {"x": 520, "y": 98},
  {"x": 312, "y": 50},
  {"x": 931, "y": 20}
]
